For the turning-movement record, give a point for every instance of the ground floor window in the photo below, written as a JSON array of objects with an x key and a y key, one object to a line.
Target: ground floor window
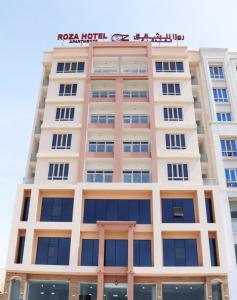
[
  {"x": 115, "y": 291},
  {"x": 216, "y": 291},
  {"x": 88, "y": 291},
  {"x": 183, "y": 291},
  {"x": 48, "y": 290},
  {"x": 15, "y": 289},
  {"x": 145, "y": 292}
]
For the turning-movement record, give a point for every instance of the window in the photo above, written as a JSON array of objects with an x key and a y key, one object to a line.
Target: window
[
  {"x": 135, "y": 119},
  {"x": 136, "y": 176},
  {"x": 88, "y": 290},
  {"x": 102, "y": 119},
  {"x": 15, "y": 289},
  {"x": 61, "y": 141},
  {"x": 178, "y": 211},
  {"x": 231, "y": 177},
  {"x": 209, "y": 210},
  {"x": 25, "y": 211},
  {"x": 116, "y": 253},
  {"x": 228, "y": 147},
  {"x": 233, "y": 213},
  {"x": 58, "y": 171},
  {"x": 117, "y": 210},
  {"x": 135, "y": 94},
  {"x": 236, "y": 252},
  {"x": 183, "y": 291},
  {"x": 220, "y": 95},
  {"x": 171, "y": 89},
  {"x": 56, "y": 210},
  {"x": 169, "y": 66},
  {"x": 64, "y": 114},
  {"x": 70, "y": 67},
  {"x": 180, "y": 252},
  {"x": 136, "y": 147},
  {"x": 101, "y": 147},
  {"x": 53, "y": 251},
  {"x": 216, "y": 291},
  {"x": 48, "y": 290},
  {"x": 216, "y": 72},
  {"x": 142, "y": 253},
  {"x": 99, "y": 176},
  {"x": 20, "y": 250},
  {"x": 145, "y": 292},
  {"x": 213, "y": 254},
  {"x": 175, "y": 141},
  {"x": 103, "y": 94},
  {"x": 68, "y": 89},
  {"x": 89, "y": 252},
  {"x": 177, "y": 171},
  {"x": 173, "y": 114},
  {"x": 224, "y": 117}
]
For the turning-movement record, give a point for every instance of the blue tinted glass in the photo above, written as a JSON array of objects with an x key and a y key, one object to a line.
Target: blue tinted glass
[
  {"x": 142, "y": 253},
  {"x": 89, "y": 254},
  {"x": 164, "y": 89},
  {"x": 60, "y": 67},
  {"x": 209, "y": 210},
  {"x": 212, "y": 245},
  {"x": 158, "y": 66},
  {"x": 61, "y": 89},
  {"x": 20, "y": 251},
  {"x": 26, "y": 206},
  {"x": 116, "y": 253},
  {"x": 80, "y": 66},
  {"x": 179, "y": 66}
]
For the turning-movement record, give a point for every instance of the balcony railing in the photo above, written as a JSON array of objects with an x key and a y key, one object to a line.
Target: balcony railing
[
  {"x": 200, "y": 129},
  {"x": 194, "y": 81},
  {"x": 28, "y": 180},
  {"x": 234, "y": 226},
  {"x": 229, "y": 153},
  {"x": 103, "y": 94},
  {"x": 136, "y": 70},
  {"x": 135, "y": 94},
  {"x": 33, "y": 157},
  {"x": 105, "y": 70},
  {"x": 209, "y": 181},
  {"x": 37, "y": 129},
  {"x": 45, "y": 82},
  {"x": 204, "y": 157},
  {"x": 197, "y": 104}
]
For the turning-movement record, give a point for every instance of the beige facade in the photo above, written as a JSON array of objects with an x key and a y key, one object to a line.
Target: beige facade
[{"x": 123, "y": 82}]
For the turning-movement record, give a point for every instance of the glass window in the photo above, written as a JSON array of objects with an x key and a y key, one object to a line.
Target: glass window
[
  {"x": 103, "y": 94},
  {"x": 120, "y": 290},
  {"x": 135, "y": 94},
  {"x": 224, "y": 117},
  {"x": 171, "y": 89},
  {"x": 53, "y": 251},
  {"x": 116, "y": 253},
  {"x": 48, "y": 290},
  {"x": 213, "y": 253},
  {"x": 169, "y": 66},
  {"x": 56, "y": 210},
  {"x": 216, "y": 72},
  {"x": 231, "y": 177},
  {"x": 102, "y": 119},
  {"x": 117, "y": 210},
  {"x": 136, "y": 176},
  {"x": 99, "y": 176},
  {"x": 136, "y": 146},
  {"x": 58, "y": 171},
  {"x": 173, "y": 114},
  {"x": 178, "y": 211},
  {"x": 142, "y": 253},
  {"x": 233, "y": 212},
  {"x": 216, "y": 291},
  {"x": 89, "y": 253},
  {"x": 175, "y": 141},
  {"x": 209, "y": 210},
  {"x": 68, "y": 89},
  {"x": 88, "y": 291},
  {"x": 228, "y": 147},
  {"x": 64, "y": 114},
  {"x": 177, "y": 171},
  {"x": 135, "y": 119},
  {"x": 15, "y": 289},
  {"x": 180, "y": 252},
  {"x": 101, "y": 147},
  {"x": 145, "y": 292},
  {"x": 61, "y": 141},
  {"x": 25, "y": 211},
  {"x": 20, "y": 251},
  {"x": 70, "y": 67},
  {"x": 183, "y": 292},
  {"x": 220, "y": 95}
]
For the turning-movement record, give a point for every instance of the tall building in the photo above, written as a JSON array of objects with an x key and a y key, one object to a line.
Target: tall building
[{"x": 130, "y": 186}]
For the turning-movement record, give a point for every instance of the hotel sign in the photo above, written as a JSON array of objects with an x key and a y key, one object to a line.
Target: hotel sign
[{"x": 74, "y": 38}]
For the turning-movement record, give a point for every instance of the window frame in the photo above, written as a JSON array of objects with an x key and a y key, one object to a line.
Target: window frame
[
  {"x": 58, "y": 171},
  {"x": 175, "y": 141},
  {"x": 64, "y": 114},
  {"x": 178, "y": 169},
  {"x": 102, "y": 173},
  {"x": 169, "y": 66}
]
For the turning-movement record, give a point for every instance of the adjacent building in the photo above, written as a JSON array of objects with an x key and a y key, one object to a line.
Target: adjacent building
[{"x": 130, "y": 189}]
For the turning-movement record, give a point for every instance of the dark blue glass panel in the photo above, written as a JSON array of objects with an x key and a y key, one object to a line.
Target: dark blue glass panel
[
  {"x": 89, "y": 254},
  {"x": 167, "y": 211},
  {"x": 61, "y": 89},
  {"x": 56, "y": 210},
  {"x": 72, "y": 113},
  {"x": 60, "y": 67},
  {"x": 145, "y": 212},
  {"x": 180, "y": 66},
  {"x": 168, "y": 252},
  {"x": 142, "y": 253},
  {"x": 80, "y": 66},
  {"x": 188, "y": 211},
  {"x": 112, "y": 210},
  {"x": 212, "y": 244},
  {"x": 116, "y": 253},
  {"x": 100, "y": 210},
  {"x": 25, "y": 211},
  {"x": 209, "y": 210},
  {"x": 134, "y": 211},
  {"x": 165, "y": 113},
  {"x": 89, "y": 211},
  {"x": 123, "y": 210},
  {"x": 191, "y": 252},
  {"x": 20, "y": 252},
  {"x": 158, "y": 66}
]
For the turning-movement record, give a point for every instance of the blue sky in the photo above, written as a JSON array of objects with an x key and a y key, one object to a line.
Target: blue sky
[{"x": 27, "y": 28}]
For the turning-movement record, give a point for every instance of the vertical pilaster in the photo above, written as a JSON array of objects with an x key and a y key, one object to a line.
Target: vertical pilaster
[
  {"x": 130, "y": 262},
  {"x": 118, "y": 140},
  {"x": 100, "y": 285}
]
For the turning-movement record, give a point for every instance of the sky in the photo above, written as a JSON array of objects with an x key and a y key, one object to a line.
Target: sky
[{"x": 27, "y": 28}]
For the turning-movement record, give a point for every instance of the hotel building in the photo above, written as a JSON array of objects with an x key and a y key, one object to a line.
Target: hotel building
[{"x": 130, "y": 189}]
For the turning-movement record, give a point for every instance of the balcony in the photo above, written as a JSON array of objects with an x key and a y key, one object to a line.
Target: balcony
[
  {"x": 33, "y": 157},
  {"x": 135, "y": 95},
  {"x": 45, "y": 82},
  {"x": 135, "y": 69},
  {"x": 209, "y": 181},
  {"x": 105, "y": 70},
  {"x": 200, "y": 130},
  {"x": 28, "y": 180},
  {"x": 197, "y": 104},
  {"x": 37, "y": 129},
  {"x": 204, "y": 157},
  {"x": 103, "y": 95},
  {"x": 231, "y": 184}
]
